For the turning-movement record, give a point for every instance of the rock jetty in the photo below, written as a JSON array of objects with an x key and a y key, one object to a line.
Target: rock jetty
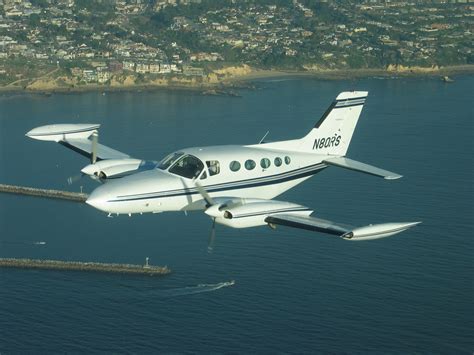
[
  {"x": 60, "y": 265},
  {"x": 55, "y": 194}
]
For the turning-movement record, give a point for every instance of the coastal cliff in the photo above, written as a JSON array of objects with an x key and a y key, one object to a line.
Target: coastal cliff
[
  {"x": 229, "y": 76},
  {"x": 398, "y": 68}
]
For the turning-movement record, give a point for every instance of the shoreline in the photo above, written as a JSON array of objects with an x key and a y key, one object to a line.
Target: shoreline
[
  {"x": 344, "y": 74},
  {"x": 226, "y": 85}
]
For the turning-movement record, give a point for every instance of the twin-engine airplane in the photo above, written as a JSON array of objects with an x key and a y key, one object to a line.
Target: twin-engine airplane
[{"x": 234, "y": 185}]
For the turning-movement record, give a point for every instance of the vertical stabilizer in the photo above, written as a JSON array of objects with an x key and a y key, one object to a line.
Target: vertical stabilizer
[{"x": 332, "y": 134}]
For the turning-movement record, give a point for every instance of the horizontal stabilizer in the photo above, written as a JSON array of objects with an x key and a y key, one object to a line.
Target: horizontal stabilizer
[
  {"x": 361, "y": 167},
  {"x": 372, "y": 231}
]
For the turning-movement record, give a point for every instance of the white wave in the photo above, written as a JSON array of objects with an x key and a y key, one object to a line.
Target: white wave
[
  {"x": 279, "y": 80},
  {"x": 191, "y": 290},
  {"x": 22, "y": 242}
]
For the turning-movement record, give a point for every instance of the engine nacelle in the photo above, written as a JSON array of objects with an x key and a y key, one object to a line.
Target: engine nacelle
[
  {"x": 254, "y": 213},
  {"x": 111, "y": 168}
]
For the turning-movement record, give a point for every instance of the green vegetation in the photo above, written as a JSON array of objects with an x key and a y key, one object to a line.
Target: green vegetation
[{"x": 281, "y": 34}]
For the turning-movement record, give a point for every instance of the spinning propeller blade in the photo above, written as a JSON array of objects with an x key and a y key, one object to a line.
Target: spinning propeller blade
[
  {"x": 212, "y": 237},
  {"x": 210, "y": 202},
  {"x": 204, "y": 194},
  {"x": 94, "y": 143},
  {"x": 95, "y": 139},
  {"x": 73, "y": 179}
]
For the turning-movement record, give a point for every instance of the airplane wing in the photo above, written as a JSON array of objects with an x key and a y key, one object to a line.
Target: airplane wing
[
  {"x": 243, "y": 213},
  {"x": 105, "y": 162},
  {"x": 84, "y": 147},
  {"x": 372, "y": 231},
  {"x": 76, "y": 137}
]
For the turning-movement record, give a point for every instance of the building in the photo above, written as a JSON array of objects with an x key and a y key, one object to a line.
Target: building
[{"x": 127, "y": 65}]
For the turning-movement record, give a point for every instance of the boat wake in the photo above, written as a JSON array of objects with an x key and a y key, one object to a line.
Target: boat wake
[
  {"x": 21, "y": 242},
  {"x": 191, "y": 290}
]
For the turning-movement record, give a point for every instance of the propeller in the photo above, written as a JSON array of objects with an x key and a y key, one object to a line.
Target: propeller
[
  {"x": 210, "y": 203},
  {"x": 75, "y": 178},
  {"x": 212, "y": 237},
  {"x": 95, "y": 140},
  {"x": 204, "y": 194}
]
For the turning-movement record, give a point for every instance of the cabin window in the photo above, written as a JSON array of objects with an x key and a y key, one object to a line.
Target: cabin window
[
  {"x": 169, "y": 160},
  {"x": 188, "y": 166},
  {"x": 234, "y": 165},
  {"x": 249, "y": 164},
  {"x": 213, "y": 167},
  {"x": 277, "y": 161},
  {"x": 265, "y": 163},
  {"x": 287, "y": 160}
]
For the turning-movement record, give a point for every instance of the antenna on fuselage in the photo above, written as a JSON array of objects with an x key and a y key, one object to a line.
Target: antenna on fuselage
[{"x": 265, "y": 136}]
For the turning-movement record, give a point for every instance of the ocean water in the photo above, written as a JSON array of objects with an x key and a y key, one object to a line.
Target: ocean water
[{"x": 295, "y": 291}]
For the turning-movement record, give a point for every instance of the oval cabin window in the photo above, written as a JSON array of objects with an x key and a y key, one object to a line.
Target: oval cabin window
[
  {"x": 265, "y": 163},
  {"x": 250, "y": 164},
  {"x": 234, "y": 166},
  {"x": 287, "y": 160},
  {"x": 277, "y": 161}
]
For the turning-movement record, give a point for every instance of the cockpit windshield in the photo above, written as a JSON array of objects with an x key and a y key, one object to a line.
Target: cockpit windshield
[
  {"x": 169, "y": 160},
  {"x": 188, "y": 166}
]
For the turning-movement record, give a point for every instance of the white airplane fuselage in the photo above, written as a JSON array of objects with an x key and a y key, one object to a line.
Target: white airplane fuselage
[
  {"x": 158, "y": 190},
  {"x": 234, "y": 185}
]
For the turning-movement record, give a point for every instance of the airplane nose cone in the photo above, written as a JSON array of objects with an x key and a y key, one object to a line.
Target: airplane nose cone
[{"x": 98, "y": 199}]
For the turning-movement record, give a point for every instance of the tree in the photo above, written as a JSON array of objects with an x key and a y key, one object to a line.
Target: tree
[{"x": 34, "y": 20}]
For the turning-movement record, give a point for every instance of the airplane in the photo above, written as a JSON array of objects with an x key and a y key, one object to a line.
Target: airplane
[{"x": 234, "y": 185}]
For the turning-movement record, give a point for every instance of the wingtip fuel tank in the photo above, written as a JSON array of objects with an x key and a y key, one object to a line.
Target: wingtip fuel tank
[
  {"x": 377, "y": 231},
  {"x": 57, "y": 132}
]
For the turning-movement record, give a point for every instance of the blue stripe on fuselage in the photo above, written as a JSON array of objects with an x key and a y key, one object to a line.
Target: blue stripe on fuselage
[{"x": 244, "y": 184}]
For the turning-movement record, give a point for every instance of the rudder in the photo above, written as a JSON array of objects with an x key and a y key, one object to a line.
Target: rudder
[{"x": 333, "y": 132}]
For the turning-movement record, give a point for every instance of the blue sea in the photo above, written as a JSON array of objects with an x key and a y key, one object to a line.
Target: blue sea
[{"x": 295, "y": 291}]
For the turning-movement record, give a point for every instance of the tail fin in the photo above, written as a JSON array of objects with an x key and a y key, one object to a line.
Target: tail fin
[{"x": 332, "y": 134}]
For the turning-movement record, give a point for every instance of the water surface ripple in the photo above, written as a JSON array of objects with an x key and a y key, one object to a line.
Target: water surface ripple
[{"x": 295, "y": 291}]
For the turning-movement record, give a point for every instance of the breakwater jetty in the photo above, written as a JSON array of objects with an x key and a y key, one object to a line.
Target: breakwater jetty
[
  {"x": 54, "y": 194},
  {"x": 60, "y": 265}
]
